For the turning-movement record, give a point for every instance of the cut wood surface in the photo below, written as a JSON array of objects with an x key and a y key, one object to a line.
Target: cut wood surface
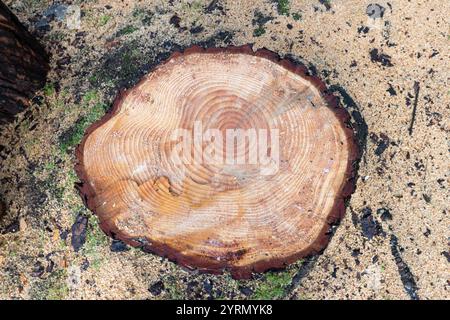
[
  {"x": 197, "y": 208},
  {"x": 23, "y": 65}
]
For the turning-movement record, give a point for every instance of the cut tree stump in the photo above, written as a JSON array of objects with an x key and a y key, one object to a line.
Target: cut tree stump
[
  {"x": 161, "y": 173},
  {"x": 23, "y": 65}
]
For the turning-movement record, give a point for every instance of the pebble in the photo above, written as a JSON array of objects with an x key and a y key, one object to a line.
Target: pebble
[
  {"x": 375, "y": 11},
  {"x": 79, "y": 232},
  {"x": 385, "y": 214},
  {"x": 156, "y": 288},
  {"x": 56, "y": 11},
  {"x": 118, "y": 246},
  {"x": 38, "y": 270},
  {"x": 246, "y": 291}
]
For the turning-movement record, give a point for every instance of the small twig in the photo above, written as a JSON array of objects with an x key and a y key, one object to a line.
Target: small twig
[
  {"x": 211, "y": 6},
  {"x": 416, "y": 98},
  {"x": 303, "y": 271}
]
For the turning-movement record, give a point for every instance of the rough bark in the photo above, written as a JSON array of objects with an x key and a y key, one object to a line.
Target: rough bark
[
  {"x": 217, "y": 216},
  {"x": 23, "y": 65}
]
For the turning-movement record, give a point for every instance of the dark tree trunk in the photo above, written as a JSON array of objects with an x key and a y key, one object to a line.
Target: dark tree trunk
[{"x": 23, "y": 65}]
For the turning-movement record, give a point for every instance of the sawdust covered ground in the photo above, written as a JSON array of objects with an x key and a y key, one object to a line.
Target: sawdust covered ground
[{"x": 388, "y": 64}]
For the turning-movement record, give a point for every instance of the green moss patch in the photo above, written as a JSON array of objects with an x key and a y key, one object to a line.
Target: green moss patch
[
  {"x": 73, "y": 136},
  {"x": 273, "y": 286},
  {"x": 53, "y": 288},
  {"x": 283, "y": 7}
]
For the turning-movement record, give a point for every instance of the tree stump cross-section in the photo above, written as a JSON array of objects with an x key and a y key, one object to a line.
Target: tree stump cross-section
[{"x": 221, "y": 159}]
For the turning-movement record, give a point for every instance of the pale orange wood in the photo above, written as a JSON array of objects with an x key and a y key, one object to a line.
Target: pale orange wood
[{"x": 214, "y": 216}]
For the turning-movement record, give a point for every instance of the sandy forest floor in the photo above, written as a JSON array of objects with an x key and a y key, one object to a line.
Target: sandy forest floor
[{"x": 393, "y": 242}]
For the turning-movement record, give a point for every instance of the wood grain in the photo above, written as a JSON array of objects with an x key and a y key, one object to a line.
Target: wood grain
[{"x": 216, "y": 217}]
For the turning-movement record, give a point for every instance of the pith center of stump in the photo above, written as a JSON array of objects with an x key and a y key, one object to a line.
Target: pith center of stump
[{"x": 221, "y": 159}]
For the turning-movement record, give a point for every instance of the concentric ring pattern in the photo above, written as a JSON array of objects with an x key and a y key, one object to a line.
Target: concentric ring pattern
[{"x": 160, "y": 171}]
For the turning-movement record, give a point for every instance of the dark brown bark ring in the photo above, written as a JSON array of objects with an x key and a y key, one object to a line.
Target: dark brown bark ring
[
  {"x": 207, "y": 220},
  {"x": 23, "y": 65}
]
